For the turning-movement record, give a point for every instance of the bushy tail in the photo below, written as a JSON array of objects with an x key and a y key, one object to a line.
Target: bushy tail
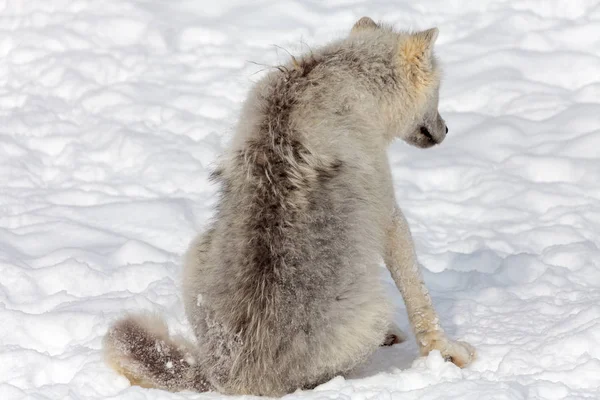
[{"x": 139, "y": 347}]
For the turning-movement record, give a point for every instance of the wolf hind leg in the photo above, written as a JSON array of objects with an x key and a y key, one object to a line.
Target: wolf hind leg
[{"x": 195, "y": 266}]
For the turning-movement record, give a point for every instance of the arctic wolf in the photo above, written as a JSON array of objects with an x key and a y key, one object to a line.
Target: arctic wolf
[{"x": 283, "y": 290}]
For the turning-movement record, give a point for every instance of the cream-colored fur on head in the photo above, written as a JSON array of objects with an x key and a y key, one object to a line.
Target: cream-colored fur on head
[
  {"x": 416, "y": 57},
  {"x": 282, "y": 289}
]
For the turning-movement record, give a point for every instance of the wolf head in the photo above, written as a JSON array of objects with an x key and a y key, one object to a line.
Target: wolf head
[{"x": 410, "y": 104}]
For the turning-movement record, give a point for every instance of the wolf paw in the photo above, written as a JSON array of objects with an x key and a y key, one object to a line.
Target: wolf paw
[
  {"x": 394, "y": 336},
  {"x": 457, "y": 352}
]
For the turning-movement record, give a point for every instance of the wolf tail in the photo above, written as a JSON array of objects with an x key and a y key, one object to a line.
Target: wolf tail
[{"x": 140, "y": 348}]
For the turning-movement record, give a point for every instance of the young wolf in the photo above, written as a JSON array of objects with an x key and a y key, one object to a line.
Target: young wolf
[{"x": 282, "y": 290}]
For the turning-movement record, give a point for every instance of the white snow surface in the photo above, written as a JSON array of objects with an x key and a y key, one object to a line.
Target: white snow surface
[{"x": 113, "y": 112}]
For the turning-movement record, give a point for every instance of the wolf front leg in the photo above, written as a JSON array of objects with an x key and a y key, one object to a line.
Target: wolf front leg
[{"x": 401, "y": 260}]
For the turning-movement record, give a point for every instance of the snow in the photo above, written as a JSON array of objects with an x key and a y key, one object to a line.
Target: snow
[{"x": 112, "y": 113}]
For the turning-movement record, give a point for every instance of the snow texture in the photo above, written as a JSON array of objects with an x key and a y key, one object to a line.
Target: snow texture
[{"x": 112, "y": 113}]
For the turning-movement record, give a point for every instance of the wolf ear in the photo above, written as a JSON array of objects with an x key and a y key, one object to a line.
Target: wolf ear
[
  {"x": 362, "y": 24},
  {"x": 416, "y": 52},
  {"x": 419, "y": 46}
]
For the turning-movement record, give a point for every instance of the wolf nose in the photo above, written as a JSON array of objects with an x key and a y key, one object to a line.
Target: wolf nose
[{"x": 446, "y": 128}]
